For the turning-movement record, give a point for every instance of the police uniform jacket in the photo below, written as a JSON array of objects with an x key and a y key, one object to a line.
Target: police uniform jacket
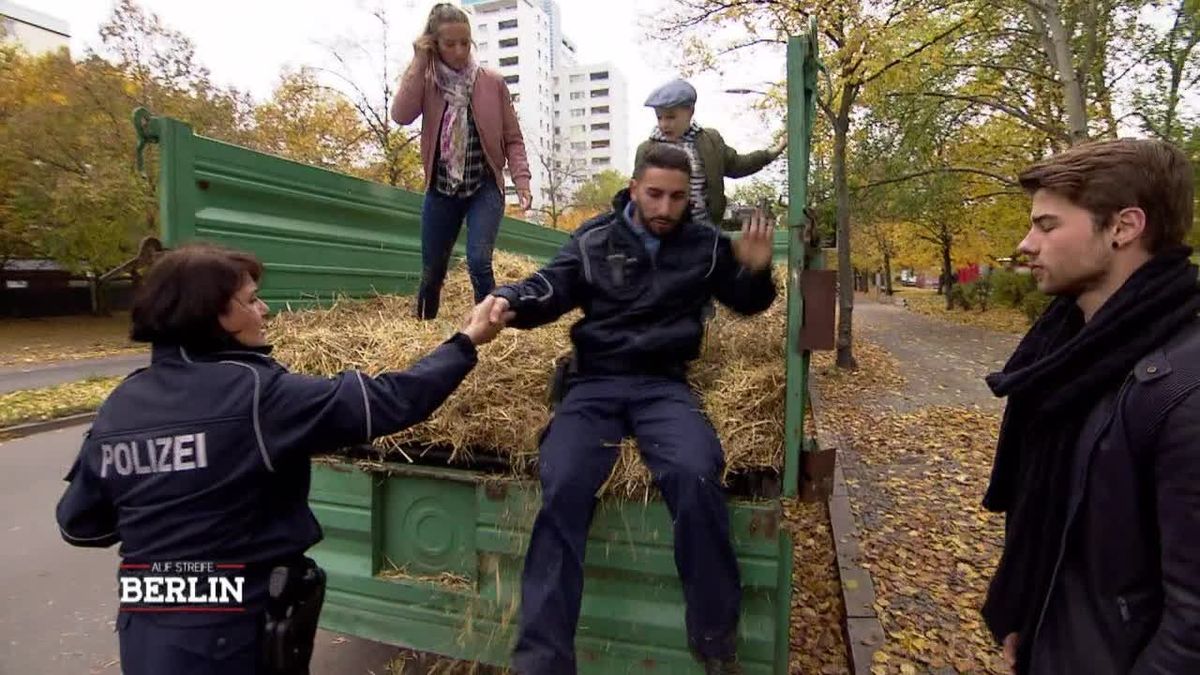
[
  {"x": 205, "y": 457},
  {"x": 643, "y": 311}
]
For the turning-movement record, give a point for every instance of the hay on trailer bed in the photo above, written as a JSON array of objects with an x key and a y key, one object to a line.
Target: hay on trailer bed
[{"x": 501, "y": 408}]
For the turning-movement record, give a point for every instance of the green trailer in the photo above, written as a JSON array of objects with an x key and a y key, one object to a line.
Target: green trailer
[{"x": 458, "y": 534}]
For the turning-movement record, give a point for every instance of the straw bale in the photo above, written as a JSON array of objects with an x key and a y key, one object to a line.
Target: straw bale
[{"x": 502, "y": 406}]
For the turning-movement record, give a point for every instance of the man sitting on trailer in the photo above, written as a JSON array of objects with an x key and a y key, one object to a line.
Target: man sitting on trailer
[{"x": 642, "y": 275}]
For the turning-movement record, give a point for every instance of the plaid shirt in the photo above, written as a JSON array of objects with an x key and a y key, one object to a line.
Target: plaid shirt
[{"x": 476, "y": 169}]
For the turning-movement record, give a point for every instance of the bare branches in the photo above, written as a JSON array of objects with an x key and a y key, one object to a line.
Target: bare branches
[
  {"x": 1004, "y": 180},
  {"x": 996, "y": 104}
]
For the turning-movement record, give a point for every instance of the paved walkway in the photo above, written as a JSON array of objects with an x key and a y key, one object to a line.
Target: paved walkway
[
  {"x": 943, "y": 363},
  {"x": 32, "y": 376},
  {"x": 916, "y": 464}
]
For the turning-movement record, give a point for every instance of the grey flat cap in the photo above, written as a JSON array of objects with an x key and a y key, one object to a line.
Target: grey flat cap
[{"x": 674, "y": 94}]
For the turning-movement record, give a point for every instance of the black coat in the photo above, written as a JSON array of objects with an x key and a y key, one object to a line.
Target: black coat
[
  {"x": 206, "y": 457},
  {"x": 642, "y": 315},
  {"x": 1126, "y": 594}
]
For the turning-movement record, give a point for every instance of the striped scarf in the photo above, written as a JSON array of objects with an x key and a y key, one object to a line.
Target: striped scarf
[
  {"x": 456, "y": 86},
  {"x": 688, "y": 144}
]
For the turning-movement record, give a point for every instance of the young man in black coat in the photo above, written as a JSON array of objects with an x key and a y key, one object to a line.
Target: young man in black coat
[{"x": 1098, "y": 464}]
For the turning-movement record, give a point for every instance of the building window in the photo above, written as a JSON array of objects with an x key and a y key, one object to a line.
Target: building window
[
  {"x": 599, "y": 76},
  {"x": 600, "y": 161},
  {"x": 579, "y": 146},
  {"x": 510, "y": 189},
  {"x": 507, "y": 25},
  {"x": 483, "y": 46},
  {"x": 508, "y": 42},
  {"x": 599, "y": 144},
  {"x": 599, "y": 93},
  {"x": 576, "y": 78},
  {"x": 512, "y": 79},
  {"x": 481, "y": 28},
  {"x": 576, "y": 95},
  {"x": 556, "y": 98},
  {"x": 578, "y": 112},
  {"x": 578, "y": 129},
  {"x": 603, "y": 126},
  {"x": 508, "y": 61},
  {"x": 600, "y": 110}
]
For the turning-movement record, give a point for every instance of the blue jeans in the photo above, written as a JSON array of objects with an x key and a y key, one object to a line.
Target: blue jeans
[
  {"x": 576, "y": 456},
  {"x": 441, "y": 220}
]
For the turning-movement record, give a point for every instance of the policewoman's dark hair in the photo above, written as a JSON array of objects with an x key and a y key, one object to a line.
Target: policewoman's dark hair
[
  {"x": 663, "y": 156},
  {"x": 186, "y": 291}
]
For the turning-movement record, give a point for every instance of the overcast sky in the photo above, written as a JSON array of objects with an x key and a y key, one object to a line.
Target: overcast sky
[{"x": 245, "y": 44}]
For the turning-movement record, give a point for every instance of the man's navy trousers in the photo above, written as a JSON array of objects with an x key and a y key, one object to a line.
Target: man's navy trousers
[{"x": 577, "y": 455}]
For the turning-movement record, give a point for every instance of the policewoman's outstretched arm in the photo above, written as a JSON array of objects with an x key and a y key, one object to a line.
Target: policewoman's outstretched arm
[{"x": 312, "y": 414}]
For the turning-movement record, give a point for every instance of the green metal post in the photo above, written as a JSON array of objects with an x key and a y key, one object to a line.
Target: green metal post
[
  {"x": 801, "y": 92},
  {"x": 801, "y": 79}
]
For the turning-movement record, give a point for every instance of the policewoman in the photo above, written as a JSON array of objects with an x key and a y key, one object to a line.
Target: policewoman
[{"x": 204, "y": 456}]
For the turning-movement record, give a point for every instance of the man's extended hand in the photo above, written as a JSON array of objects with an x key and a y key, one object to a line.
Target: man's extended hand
[
  {"x": 1010, "y": 651},
  {"x": 780, "y": 145},
  {"x": 525, "y": 198},
  {"x": 499, "y": 312},
  {"x": 486, "y": 320},
  {"x": 757, "y": 244}
]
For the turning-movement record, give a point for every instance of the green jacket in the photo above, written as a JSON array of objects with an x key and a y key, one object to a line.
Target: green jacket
[{"x": 719, "y": 161}]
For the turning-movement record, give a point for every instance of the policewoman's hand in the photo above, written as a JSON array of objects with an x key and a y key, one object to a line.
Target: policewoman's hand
[
  {"x": 756, "y": 246},
  {"x": 485, "y": 321}
]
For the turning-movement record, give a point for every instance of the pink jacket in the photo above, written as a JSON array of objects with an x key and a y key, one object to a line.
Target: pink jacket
[{"x": 495, "y": 118}]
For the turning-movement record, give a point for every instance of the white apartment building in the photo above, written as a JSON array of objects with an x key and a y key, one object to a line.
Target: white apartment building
[
  {"x": 36, "y": 32},
  {"x": 591, "y": 118},
  {"x": 514, "y": 38},
  {"x": 523, "y": 40}
]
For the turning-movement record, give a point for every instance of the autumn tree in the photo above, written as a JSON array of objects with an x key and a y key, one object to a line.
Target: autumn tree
[
  {"x": 861, "y": 42},
  {"x": 366, "y": 70},
  {"x": 310, "y": 123},
  {"x": 561, "y": 176},
  {"x": 70, "y": 189},
  {"x": 1172, "y": 71},
  {"x": 597, "y": 191}
]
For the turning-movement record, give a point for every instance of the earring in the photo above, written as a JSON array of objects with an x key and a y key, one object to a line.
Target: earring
[{"x": 1116, "y": 245}]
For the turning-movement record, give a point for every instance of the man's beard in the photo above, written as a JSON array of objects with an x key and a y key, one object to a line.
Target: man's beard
[{"x": 661, "y": 225}]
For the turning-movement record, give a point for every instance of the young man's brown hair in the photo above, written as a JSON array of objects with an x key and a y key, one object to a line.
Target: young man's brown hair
[{"x": 1107, "y": 176}]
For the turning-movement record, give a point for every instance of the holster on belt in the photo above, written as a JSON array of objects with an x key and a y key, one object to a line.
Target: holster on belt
[
  {"x": 296, "y": 593},
  {"x": 565, "y": 367}
]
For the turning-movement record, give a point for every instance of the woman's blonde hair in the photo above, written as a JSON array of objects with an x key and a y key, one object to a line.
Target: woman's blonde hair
[{"x": 443, "y": 13}]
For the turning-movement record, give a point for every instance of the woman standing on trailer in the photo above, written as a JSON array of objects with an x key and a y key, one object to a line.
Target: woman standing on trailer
[{"x": 469, "y": 130}]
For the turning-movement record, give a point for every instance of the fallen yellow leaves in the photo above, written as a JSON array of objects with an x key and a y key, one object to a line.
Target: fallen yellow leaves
[
  {"x": 64, "y": 338},
  {"x": 35, "y": 405},
  {"x": 916, "y": 480},
  {"x": 999, "y": 318},
  {"x": 816, "y": 639}
]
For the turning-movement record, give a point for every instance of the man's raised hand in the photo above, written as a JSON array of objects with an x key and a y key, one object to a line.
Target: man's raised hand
[{"x": 756, "y": 246}]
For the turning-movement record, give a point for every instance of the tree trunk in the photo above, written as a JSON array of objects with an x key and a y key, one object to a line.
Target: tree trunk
[
  {"x": 98, "y": 305},
  {"x": 947, "y": 273},
  {"x": 887, "y": 274},
  {"x": 845, "y": 336},
  {"x": 1064, "y": 63}
]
